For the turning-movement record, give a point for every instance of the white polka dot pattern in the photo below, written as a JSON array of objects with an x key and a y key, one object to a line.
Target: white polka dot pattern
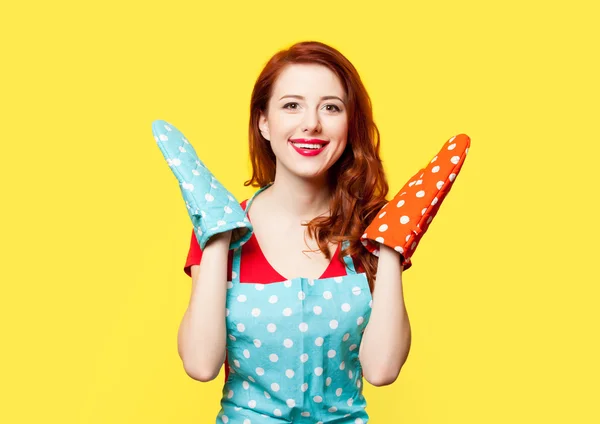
[
  {"x": 210, "y": 206},
  {"x": 402, "y": 225},
  {"x": 300, "y": 351}
]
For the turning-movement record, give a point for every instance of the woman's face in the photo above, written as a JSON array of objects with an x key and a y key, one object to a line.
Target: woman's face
[{"x": 307, "y": 106}]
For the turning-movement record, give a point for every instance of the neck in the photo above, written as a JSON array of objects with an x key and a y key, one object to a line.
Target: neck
[{"x": 298, "y": 198}]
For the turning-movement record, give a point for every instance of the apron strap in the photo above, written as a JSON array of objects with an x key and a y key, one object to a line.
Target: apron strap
[
  {"x": 249, "y": 202},
  {"x": 237, "y": 253},
  {"x": 235, "y": 265},
  {"x": 348, "y": 259}
]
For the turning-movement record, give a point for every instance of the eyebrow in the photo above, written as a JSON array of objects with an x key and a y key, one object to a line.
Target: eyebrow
[{"x": 322, "y": 98}]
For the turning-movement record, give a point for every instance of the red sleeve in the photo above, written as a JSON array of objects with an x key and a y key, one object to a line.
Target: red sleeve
[
  {"x": 194, "y": 255},
  {"x": 357, "y": 266}
]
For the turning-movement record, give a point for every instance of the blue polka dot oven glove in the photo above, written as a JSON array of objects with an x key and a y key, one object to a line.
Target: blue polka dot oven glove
[{"x": 211, "y": 207}]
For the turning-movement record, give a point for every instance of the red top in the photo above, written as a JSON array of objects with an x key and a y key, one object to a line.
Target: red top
[{"x": 254, "y": 267}]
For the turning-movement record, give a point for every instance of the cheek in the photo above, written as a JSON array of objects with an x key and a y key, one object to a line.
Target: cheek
[
  {"x": 343, "y": 134},
  {"x": 283, "y": 124},
  {"x": 339, "y": 150},
  {"x": 342, "y": 129}
]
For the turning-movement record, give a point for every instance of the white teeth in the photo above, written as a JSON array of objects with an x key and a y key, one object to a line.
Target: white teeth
[{"x": 308, "y": 146}]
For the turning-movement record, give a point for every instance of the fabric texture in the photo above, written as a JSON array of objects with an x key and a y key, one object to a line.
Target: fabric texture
[
  {"x": 255, "y": 267},
  {"x": 293, "y": 349},
  {"x": 210, "y": 206},
  {"x": 402, "y": 222}
]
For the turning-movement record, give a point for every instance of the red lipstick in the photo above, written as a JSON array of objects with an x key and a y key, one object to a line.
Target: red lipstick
[{"x": 308, "y": 146}]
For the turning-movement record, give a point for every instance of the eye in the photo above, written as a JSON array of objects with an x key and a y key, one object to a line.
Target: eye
[{"x": 335, "y": 107}]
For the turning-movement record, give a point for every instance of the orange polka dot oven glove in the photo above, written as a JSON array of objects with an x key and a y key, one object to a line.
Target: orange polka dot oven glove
[{"x": 402, "y": 222}]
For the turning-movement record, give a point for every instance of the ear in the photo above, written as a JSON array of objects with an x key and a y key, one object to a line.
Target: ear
[{"x": 264, "y": 127}]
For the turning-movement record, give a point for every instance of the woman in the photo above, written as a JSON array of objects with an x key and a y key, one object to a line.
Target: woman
[{"x": 309, "y": 311}]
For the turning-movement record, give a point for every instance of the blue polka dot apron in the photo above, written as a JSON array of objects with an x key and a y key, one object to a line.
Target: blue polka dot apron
[{"x": 293, "y": 349}]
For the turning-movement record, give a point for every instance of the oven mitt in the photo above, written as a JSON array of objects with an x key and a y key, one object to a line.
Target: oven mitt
[
  {"x": 211, "y": 207},
  {"x": 402, "y": 222}
]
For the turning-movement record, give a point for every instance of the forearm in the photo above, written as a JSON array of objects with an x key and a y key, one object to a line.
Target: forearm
[
  {"x": 202, "y": 333},
  {"x": 387, "y": 337}
]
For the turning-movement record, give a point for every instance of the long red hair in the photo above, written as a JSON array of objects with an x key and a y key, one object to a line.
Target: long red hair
[{"x": 357, "y": 180}]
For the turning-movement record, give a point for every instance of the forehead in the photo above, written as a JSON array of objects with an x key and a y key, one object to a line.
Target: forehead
[{"x": 307, "y": 80}]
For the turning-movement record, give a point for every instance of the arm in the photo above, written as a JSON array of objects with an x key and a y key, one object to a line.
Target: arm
[
  {"x": 387, "y": 338},
  {"x": 202, "y": 332},
  {"x": 396, "y": 233}
]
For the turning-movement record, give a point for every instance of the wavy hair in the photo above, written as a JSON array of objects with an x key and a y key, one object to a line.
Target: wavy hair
[{"x": 357, "y": 180}]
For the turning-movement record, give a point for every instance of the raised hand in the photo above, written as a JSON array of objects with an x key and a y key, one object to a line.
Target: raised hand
[
  {"x": 210, "y": 205},
  {"x": 403, "y": 221}
]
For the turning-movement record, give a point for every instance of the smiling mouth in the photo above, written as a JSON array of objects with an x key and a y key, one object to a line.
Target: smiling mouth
[
  {"x": 308, "y": 149},
  {"x": 310, "y": 146}
]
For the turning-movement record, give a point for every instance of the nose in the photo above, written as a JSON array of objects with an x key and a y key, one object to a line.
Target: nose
[{"x": 311, "y": 122}]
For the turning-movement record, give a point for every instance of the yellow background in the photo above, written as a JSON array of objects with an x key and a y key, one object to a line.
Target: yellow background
[{"x": 503, "y": 293}]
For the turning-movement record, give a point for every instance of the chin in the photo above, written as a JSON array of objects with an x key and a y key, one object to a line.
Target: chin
[{"x": 306, "y": 172}]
